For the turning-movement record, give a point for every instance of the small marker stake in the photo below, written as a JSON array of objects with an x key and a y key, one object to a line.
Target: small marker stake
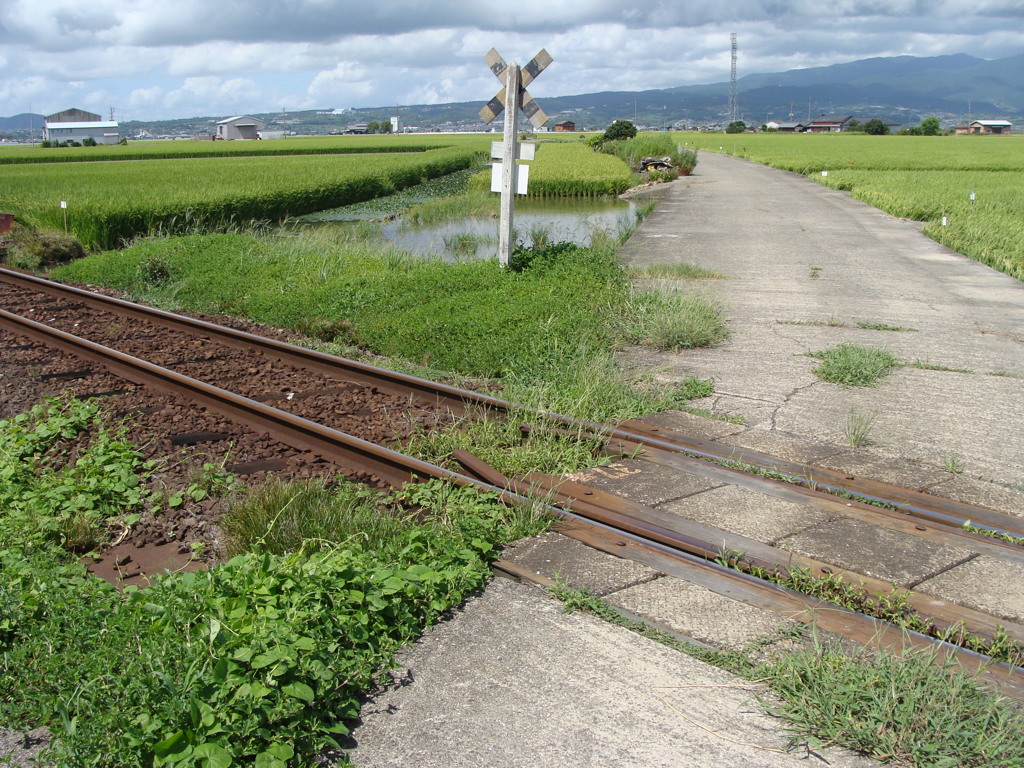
[
  {"x": 943, "y": 221},
  {"x": 64, "y": 207}
]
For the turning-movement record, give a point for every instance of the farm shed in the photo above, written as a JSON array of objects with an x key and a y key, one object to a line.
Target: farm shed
[
  {"x": 77, "y": 124},
  {"x": 786, "y": 127},
  {"x": 994, "y": 127},
  {"x": 240, "y": 127},
  {"x": 566, "y": 126}
]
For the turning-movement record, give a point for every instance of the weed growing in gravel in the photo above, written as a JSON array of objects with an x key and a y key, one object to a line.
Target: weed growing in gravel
[
  {"x": 925, "y": 365},
  {"x": 47, "y": 497},
  {"x": 854, "y": 365}
]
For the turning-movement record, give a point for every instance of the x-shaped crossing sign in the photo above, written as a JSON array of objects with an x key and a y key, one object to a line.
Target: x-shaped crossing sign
[{"x": 525, "y": 101}]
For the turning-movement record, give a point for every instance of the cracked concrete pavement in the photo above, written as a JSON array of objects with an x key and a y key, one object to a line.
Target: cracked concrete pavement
[{"x": 805, "y": 264}]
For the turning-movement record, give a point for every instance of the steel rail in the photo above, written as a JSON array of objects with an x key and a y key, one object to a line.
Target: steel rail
[
  {"x": 300, "y": 357},
  {"x": 710, "y": 454},
  {"x": 685, "y": 556},
  {"x": 390, "y": 466},
  {"x": 713, "y": 544}
]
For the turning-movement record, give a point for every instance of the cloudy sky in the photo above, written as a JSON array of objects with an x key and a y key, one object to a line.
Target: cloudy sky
[{"x": 154, "y": 59}]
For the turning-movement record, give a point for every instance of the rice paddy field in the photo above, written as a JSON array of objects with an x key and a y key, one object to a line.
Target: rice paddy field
[
  {"x": 109, "y": 203},
  {"x": 183, "y": 187},
  {"x": 975, "y": 182},
  {"x": 570, "y": 169},
  {"x": 319, "y": 145}
]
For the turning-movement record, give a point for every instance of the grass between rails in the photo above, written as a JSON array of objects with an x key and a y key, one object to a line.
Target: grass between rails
[{"x": 258, "y": 661}]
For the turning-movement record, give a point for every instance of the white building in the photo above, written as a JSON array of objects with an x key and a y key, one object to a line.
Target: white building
[
  {"x": 240, "y": 127},
  {"x": 77, "y": 124}
]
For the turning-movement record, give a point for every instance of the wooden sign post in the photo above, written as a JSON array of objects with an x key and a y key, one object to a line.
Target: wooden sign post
[{"x": 510, "y": 99}]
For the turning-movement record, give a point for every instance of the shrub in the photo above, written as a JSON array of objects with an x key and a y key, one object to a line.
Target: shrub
[
  {"x": 620, "y": 129},
  {"x": 41, "y": 249}
]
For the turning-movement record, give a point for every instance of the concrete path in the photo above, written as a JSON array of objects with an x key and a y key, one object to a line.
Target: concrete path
[
  {"x": 513, "y": 682},
  {"x": 805, "y": 265}
]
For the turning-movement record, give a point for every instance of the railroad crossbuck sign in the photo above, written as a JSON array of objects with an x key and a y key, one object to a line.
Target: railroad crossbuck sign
[{"x": 510, "y": 99}]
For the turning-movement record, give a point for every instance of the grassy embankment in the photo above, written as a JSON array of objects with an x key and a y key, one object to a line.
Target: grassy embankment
[
  {"x": 924, "y": 178},
  {"x": 258, "y": 661}
]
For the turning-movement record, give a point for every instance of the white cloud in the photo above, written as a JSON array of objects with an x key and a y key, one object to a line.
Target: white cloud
[{"x": 187, "y": 57}]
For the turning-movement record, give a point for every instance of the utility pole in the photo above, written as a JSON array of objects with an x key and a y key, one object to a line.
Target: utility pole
[{"x": 733, "y": 108}]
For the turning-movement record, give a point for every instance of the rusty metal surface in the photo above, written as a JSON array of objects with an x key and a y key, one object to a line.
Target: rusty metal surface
[
  {"x": 382, "y": 463},
  {"x": 864, "y": 630},
  {"x": 916, "y": 503}
]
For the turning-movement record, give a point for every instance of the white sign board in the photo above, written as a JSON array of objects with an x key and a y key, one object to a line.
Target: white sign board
[
  {"x": 522, "y": 178},
  {"x": 523, "y": 151},
  {"x": 63, "y": 203}
]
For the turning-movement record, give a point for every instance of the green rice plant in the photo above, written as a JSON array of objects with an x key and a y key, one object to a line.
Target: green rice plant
[
  {"x": 183, "y": 150},
  {"x": 472, "y": 204},
  {"x": 854, "y": 365},
  {"x": 563, "y": 169},
  {"x": 109, "y": 204}
]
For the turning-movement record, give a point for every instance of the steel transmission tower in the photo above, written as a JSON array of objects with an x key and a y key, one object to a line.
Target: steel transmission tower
[{"x": 733, "y": 107}]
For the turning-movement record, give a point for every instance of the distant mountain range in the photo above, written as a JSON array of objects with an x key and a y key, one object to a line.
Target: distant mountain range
[{"x": 905, "y": 89}]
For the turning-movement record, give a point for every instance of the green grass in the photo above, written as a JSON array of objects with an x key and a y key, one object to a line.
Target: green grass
[
  {"x": 551, "y": 326},
  {"x": 871, "y": 326},
  {"x": 907, "y": 711},
  {"x": 260, "y": 660},
  {"x": 858, "y": 426},
  {"x": 679, "y": 271},
  {"x": 854, "y": 365},
  {"x": 677, "y": 320},
  {"x": 831, "y": 322}
]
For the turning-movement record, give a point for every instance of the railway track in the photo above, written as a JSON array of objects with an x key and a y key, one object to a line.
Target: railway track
[{"x": 292, "y": 394}]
